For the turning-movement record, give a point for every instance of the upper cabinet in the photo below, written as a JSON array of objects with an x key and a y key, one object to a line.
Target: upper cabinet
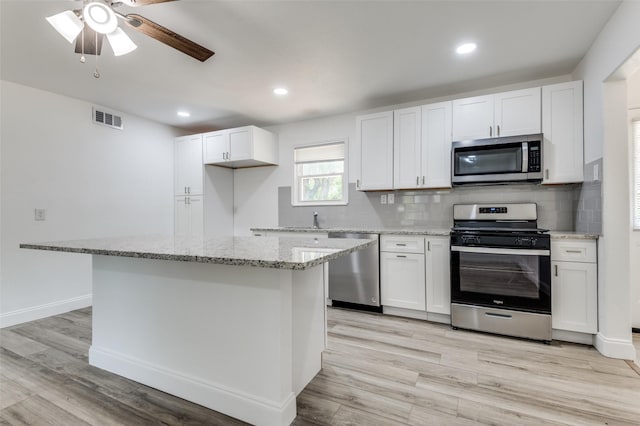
[
  {"x": 503, "y": 114},
  {"x": 436, "y": 145},
  {"x": 375, "y": 134},
  {"x": 188, "y": 165},
  {"x": 562, "y": 121},
  {"x": 407, "y": 146},
  {"x": 247, "y": 146}
]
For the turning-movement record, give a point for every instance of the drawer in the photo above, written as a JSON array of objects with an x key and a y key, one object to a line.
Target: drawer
[
  {"x": 401, "y": 244},
  {"x": 574, "y": 251}
]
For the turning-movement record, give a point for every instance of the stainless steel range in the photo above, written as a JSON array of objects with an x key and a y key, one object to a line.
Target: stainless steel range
[{"x": 500, "y": 270}]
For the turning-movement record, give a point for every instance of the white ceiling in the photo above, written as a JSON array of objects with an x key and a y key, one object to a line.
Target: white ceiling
[{"x": 334, "y": 56}]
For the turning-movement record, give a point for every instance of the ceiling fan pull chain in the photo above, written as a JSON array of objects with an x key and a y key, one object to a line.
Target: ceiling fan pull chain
[{"x": 96, "y": 73}]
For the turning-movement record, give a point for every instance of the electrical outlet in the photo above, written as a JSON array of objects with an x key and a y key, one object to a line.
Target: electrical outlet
[
  {"x": 383, "y": 199},
  {"x": 596, "y": 172},
  {"x": 40, "y": 214},
  {"x": 391, "y": 198}
]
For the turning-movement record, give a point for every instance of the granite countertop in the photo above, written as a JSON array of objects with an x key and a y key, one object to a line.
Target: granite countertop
[
  {"x": 398, "y": 231},
  {"x": 409, "y": 231},
  {"x": 265, "y": 252}
]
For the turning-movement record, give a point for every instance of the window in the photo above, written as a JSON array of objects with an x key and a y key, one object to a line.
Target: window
[
  {"x": 636, "y": 173},
  {"x": 320, "y": 174}
]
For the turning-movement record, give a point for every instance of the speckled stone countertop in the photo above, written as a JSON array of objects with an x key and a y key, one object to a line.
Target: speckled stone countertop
[
  {"x": 560, "y": 235},
  {"x": 396, "y": 231},
  {"x": 266, "y": 252}
]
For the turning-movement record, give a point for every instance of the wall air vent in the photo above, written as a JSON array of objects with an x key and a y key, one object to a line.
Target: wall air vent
[{"x": 106, "y": 118}]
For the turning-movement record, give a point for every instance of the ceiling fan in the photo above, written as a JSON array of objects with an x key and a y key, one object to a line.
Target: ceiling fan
[{"x": 98, "y": 18}]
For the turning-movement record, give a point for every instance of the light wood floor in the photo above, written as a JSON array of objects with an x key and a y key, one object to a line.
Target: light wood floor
[{"x": 378, "y": 370}]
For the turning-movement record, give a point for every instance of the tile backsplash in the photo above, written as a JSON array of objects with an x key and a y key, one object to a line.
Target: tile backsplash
[
  {"x": 557, "y": 206},
  {"x": 589, "y": 205}
]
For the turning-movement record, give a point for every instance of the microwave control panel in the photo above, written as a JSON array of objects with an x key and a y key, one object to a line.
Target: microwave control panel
[{"x": 534, "y": 157}]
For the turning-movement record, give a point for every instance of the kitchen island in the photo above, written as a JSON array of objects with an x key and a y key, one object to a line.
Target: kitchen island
[{"x": 236, "y": 324}]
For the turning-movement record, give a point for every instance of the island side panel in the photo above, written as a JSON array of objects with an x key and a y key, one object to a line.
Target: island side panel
[
  {"x": 218, "y": 335},
  {"x": 309, "y": 325}
]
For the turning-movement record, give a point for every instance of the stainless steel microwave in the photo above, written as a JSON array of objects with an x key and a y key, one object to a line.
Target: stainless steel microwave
[{"x": 497, "y": 160}]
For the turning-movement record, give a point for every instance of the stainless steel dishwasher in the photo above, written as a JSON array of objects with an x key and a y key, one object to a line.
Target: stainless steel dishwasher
[{"x": 354, "y": 280}]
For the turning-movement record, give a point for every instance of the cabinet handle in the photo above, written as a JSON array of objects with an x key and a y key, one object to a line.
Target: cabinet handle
[
  {"x": 546, "y": 173},
  {"x": 358, "y": 183},
  {"x": 185, "y": 189},
  {"x": 186, "y": 200},
  {"x": 417, "y": 180},
  {"x": 498, "y": 127},
  {"x": 401, "y": 245},
  {"x": 400, "y": 255},
  {"x": 188, "y": 190},
  {"x": 574, "y": 251},
  {"x": 428, "y": 245},
  {"x": 228, "y": 156},
  {"x": 490, "y": 131},
  {"x": 556, "y": 270},
  {"x": 423, "y": 180}
]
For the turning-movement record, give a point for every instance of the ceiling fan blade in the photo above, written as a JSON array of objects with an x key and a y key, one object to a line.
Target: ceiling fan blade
[
  {"x": 92, "y": 44},
  {"x": 135, "y": 3},
  {"x": 168, "y": 37}
]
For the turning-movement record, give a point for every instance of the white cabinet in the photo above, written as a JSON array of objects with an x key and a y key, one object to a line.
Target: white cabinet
[
  {"x": 402, "y": 272},
  {"x": 375, "y": 135},
  {"x": 187, "y": 167},
  {"x": 436, "y": 145},
  {"x": 407, "y": 147},
  {"x": 502, "y": 114},
  {"x": 422, "y": 147},
  {"x": 247, "y": 146},
  {"x": 562, "y": 126},
  {"x": 574, "y": 286},
  {"x": 189, "y": 216},
  {"x": 437, "y": 273}
]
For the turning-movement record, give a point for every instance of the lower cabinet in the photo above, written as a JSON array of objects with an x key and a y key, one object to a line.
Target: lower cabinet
[
  {"x": 189, "y": 216},
  {"x": 574, "y": 286},
  {"x": 414, "y": 274},
  {"x": 438, "y": 275}
]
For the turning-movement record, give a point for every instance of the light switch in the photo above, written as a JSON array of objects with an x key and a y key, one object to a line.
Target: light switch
[
  {"x": 40, "y": 214},
  {"x": 391, "y": 198},
  {"x": 596, "y": 172}
]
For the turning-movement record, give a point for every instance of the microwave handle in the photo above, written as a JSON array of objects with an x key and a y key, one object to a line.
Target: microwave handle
[{"x": 525, "y": 157}]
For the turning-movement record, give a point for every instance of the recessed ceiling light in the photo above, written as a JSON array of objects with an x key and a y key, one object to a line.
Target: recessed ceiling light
[
  {"x": 466, "y": 48},
  {"x": 184, "y": 114},
  {"x": 281, "y": 91}
]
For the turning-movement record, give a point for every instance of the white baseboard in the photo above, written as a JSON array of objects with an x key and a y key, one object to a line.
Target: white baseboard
[
  {"x": 33, "y": 313},
  {"x": 240, "y": 405},
  {"x": 573, "y": 337},
  {"x": 615, "y": 348},
  {"x": 402, "y": 312}
]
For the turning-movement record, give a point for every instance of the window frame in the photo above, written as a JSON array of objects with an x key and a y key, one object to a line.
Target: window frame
[{"x": 295, "y": 202}]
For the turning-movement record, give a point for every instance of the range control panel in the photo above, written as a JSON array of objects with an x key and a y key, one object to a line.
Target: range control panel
[{"x": 490, "y": 210}]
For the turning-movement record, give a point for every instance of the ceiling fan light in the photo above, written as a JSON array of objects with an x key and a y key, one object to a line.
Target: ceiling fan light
[
  {"x": 120, "y": 42},
  {"x": 67, "y": 24},
  {"x": 100, "y": 17}
]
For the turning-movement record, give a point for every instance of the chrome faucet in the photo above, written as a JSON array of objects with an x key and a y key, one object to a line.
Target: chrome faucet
[{"x": 315, "y": 221}]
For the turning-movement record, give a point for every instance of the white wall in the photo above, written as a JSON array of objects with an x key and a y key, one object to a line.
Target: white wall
[
  {"x": 606, "y": 137},
  {"x": 256, "y": 189},
  {"x": 93, "y": 181}
]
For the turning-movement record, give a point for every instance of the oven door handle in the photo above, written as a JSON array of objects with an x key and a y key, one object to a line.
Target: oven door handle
[{"x": 491, "y": 250}]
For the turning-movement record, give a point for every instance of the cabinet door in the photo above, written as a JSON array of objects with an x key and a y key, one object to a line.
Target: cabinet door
[
  {"x": 402, "y": 280},
  {"x": 406, "y": 148},
  {"x": 517, "y": 112},
  {"x": 436, "y": 145},
  {"x": 574, "y": 297},
  {"x": 438, "y": 281},
  {"x": 375, "y": 134},
  {"x": 187, "y": 152},
  {"x": 216, "y": 147},
  {"x": 473, "y": 118},
  {"x": 196, "y": 216},
  {"x": 240, "y": 146},
  {"x": 563, "y": 160},
  {"x": 181, "y": 217}
]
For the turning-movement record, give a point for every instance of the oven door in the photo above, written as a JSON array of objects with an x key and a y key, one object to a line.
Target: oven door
[{"x": 510, "y": 278}]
